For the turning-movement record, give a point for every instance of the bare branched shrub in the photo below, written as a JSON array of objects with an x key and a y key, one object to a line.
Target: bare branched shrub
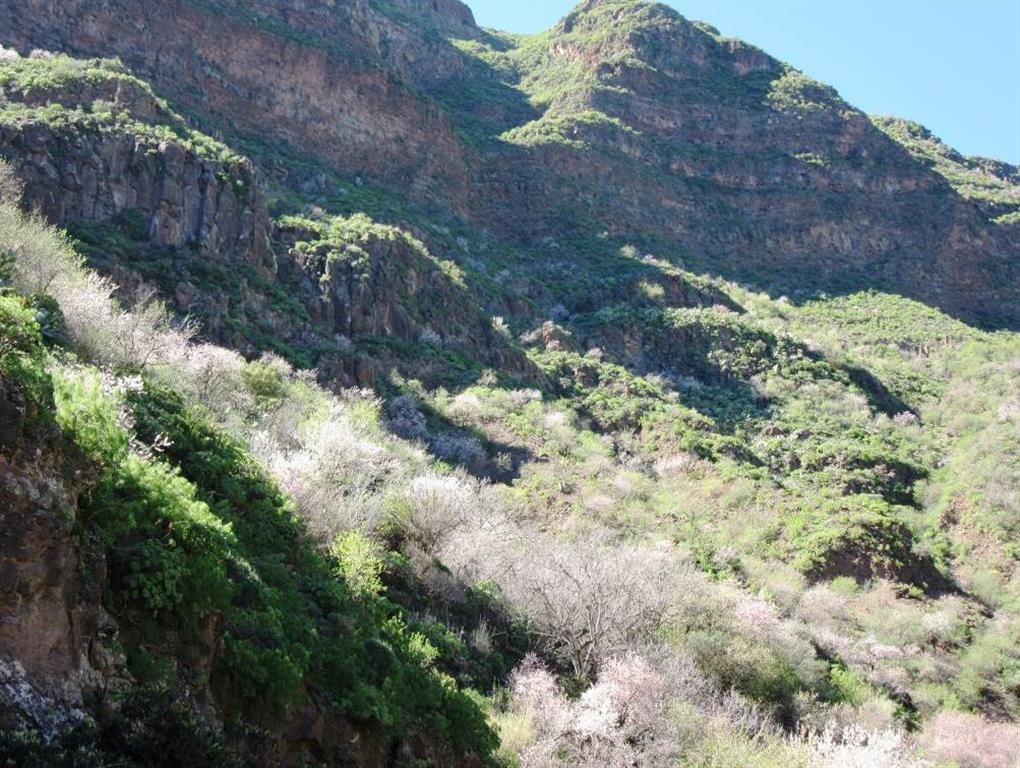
[
  {"x": 435, "y": 507},
  {"x": 337, "y": 475},
  {"x": 214, "y": 377},
  {"x": 582, "y": 733},
  {"x": 460, "y": 449},
  {"x": 405, "y": 420},
  {"x": 855, "y": 747},
  {"x": 970, "y": 741},
  {"x": 44, "y": 262},
  {"x": 587, "y": 602},
  {"x": 644, "y": 710},
  {"x": 676, "y": 464},
  {"x": 41, "y": 254},
  {"x": 148, "y": 334}
]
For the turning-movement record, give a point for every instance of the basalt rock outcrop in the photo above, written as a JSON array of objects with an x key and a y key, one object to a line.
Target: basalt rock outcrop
[
  {"x": 324, "y": 76},
  {"x": 114, "y": 147},
  {"x": 54, "y": 634},
  {"x": 381, "y": 283},
  {"x": 159, "y": 205}
]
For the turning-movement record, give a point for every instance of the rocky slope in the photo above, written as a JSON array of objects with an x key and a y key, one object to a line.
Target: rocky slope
[
  {"x": 53, "y": 631},
  {"x": 99, "y": 153},
  {"x": 625, "y": 118},
  {"x": 320, "y": 75}
]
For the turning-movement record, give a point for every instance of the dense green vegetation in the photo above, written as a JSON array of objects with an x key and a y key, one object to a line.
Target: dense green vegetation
[{"x": 193, "y": 528}]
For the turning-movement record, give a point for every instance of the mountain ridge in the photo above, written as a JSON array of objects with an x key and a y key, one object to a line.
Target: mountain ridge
[{"x": 826, "y": 163}]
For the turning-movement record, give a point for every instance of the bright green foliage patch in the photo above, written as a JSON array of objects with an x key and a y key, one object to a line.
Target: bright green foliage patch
[
  {"x": 22, "y": 357},
  {"x": 858, "y": 536}
]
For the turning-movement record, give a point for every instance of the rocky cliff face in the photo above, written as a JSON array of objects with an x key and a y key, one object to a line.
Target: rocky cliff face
[
  {"x": 625, "y": 118},
  {"x": 659, "y": 128},
  {"x": 54, "y": 636},
  {"x": 98, "y": 143},
  {"x": 364, "y": 281},
  {"x": 322, "y": 76},
  {"x": 160, "y": 205}
]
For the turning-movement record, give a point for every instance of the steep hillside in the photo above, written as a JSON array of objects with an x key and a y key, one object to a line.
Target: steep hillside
[
  {"x": 993, "y": 185},
  {"x": 378, "y": 390},
  {"x": 623, "y": 119}
]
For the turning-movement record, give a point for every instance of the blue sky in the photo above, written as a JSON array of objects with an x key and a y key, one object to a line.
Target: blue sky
[{"x": 953, "y": 66}]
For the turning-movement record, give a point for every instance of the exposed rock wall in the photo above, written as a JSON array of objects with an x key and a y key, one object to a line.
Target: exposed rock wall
[
  {"x": 390, "y": 288},
  {"x": 51, "y": 624},
  {"x": 90, "y": 171},
  {"x": 310, "y": 74},
  {"x": 717, "y": 150}
]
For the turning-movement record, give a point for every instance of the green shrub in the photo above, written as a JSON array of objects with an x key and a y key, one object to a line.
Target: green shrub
[
  {"x": 264, "y": 380},
  {"x": 167, "y": 550},
  {"x": 858, "y": 536},
  {"x": 19, "y": 329},
  {"x": 90, "y": 416},
  {"x": 359, "y": 563},
  {"x": 848, "y": 687},
  {"x": 749, "y": 666}
]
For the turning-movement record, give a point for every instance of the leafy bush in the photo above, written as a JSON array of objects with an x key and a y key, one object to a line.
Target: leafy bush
[
  {"x": 167, "y": 550},
  {"x": 91, "y": 415},
  {"x": 22, "y": 356},
  {"x": 359, "y": 563},
  {"x": 858, "y": 536}
]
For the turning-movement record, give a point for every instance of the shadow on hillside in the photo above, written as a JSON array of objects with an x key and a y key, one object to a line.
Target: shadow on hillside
[
  {"x": 878, "y": 218},
  {"x": 467, "y": 447}
]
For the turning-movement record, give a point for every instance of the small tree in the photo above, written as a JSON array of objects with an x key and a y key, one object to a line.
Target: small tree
[
  {"x": 586, "y": 603},
  {"x": 11, "y": 187}
]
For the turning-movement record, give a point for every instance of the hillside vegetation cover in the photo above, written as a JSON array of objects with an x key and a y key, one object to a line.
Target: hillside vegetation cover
[{"x": 692, "y": 524}]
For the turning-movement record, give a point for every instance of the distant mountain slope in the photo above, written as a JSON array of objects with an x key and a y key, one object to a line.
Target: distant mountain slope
[
  {"x": 992, "y": 184},
  {"x": 624, "y": 118}
]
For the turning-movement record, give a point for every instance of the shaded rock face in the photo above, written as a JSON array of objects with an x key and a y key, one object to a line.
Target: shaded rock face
[
  {"x": 323, "y": 77},
  {"x": 206, "y": 220},
  {"x": 79, "y": 173},
  {"x": 390, "y": 288},
  {"x": 52, "y": 627},
  {"x": 392, "y": 291}
]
